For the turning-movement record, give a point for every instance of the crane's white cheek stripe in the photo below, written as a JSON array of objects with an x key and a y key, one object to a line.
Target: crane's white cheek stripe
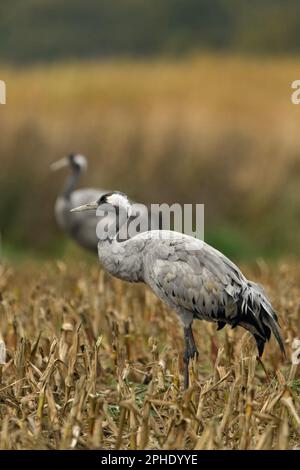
[
  {"x": 118, "y": 200},
  {"x": 81, "y": 161}
]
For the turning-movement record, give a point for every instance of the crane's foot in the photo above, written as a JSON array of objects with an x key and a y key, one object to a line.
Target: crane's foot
[{"x": 190, "y": 352}]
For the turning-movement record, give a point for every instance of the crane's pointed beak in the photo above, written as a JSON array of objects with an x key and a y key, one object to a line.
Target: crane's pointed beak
[
  {"x": 63, "y": 162},
  {"x": 86, "y": 207}
]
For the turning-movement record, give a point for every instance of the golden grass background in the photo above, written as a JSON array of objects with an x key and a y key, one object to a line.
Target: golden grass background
[
  {"x": 96, "y": 363},
  {"x": 219, "y": 130}
]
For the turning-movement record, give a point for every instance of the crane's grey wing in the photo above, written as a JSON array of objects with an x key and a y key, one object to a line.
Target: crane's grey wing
[
  {"x": 209, "y": 286},
  {"x": 195, "y": 280},
  {"x": 84, "y": 224},
  {"x": 80, "y": 225}
]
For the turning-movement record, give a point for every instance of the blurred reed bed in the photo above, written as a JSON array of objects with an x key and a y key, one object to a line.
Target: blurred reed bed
[
  {"x": 95, "y": 363},
  {"x": 213, "y": 129}
]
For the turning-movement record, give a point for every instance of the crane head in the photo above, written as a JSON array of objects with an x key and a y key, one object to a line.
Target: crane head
[
  {"x": 75, "y": 161},
  {"x": 116, "y": 199}
]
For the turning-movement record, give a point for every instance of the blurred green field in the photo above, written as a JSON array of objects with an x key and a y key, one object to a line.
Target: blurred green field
[{"x": 213, "y": 129}]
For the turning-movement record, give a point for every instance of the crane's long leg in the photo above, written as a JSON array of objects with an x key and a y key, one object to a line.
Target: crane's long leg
[
  {"x": 186, "y": 359},
  {"x": 259, "y": 360},
  {"x": 190, "y": 352},
  {"x": 194, "y": 350}
]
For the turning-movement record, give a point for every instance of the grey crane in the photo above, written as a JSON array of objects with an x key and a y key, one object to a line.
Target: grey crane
[
  {"x": 190, "y": 276},
  {"x": 81, "y": 227}
]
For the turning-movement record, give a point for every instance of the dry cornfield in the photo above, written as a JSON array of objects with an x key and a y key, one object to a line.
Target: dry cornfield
[{"x": 95, "y": 363}]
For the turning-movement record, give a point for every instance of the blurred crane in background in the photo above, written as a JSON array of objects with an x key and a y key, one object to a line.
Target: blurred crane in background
[{"x": 81, "y": 227}]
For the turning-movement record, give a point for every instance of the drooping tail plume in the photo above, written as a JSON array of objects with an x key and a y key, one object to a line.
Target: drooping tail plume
[{"x": 263, "y": 315}]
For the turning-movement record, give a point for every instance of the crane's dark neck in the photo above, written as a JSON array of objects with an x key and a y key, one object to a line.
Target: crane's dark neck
[
  {"x": 113, "y": 226},
  {"x": 71, "y": 182}
]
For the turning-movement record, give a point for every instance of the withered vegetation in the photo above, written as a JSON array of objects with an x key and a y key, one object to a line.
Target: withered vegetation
[{"x": 95, "y": 363}]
